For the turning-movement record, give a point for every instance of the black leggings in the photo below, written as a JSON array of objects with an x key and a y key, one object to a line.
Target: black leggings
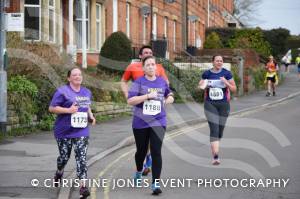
[
  {"x": 155, "y": 136},
  {"x": 216, "y": 114},
  {"x": 80, "y": 148}
]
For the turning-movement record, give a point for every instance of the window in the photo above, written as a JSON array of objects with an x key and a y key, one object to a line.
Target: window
[
  {"x": 78, "y": 24},
  {"x": 98, "y": 26},
  {"x": 174, "y": 35},
  {"x": 128, "y": 20},
  {"x": 165, "y": 27},
  {"x": 51, "y": 18},
  {"x": 32, "y": 20},
  {"x": 154, "y": 26},
  {"x": 144, "y": 29}
]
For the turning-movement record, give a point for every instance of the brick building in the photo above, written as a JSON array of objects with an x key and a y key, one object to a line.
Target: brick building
[{"x": 179, "y": 23}]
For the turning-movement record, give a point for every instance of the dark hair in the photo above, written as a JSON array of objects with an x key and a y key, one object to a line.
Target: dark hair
[
  {"x": 70, "y": 71},
  {"x": 213, "y": 58},
  {"x": 146, "y": 58},
  {"x": 143, "y": 47}
]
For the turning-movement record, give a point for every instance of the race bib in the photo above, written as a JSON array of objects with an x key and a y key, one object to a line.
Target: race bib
[
  {"x": 216, "y": 93},
  {"x": 151, "y": 107},
  {"x": 79, "y": 120}
]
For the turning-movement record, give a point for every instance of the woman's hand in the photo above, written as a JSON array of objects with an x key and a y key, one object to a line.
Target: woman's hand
[
  {"x": 152, "y": 95},
  {"x": 93, "y": 119},
  {"x": 202, "y": 84},
  {"x": 169, "y": 100},
  {"x": 224, "y": 80},
  {"x": 74, "y": 108}
]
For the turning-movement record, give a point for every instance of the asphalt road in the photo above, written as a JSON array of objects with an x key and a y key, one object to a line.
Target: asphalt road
[{"x": 259, "y": 159}]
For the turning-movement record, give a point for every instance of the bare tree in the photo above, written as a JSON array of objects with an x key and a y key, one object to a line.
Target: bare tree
[{"x": 246, "y": 11}]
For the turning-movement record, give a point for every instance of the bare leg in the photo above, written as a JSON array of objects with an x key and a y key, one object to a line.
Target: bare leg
[{"x": 215, "y": 145}]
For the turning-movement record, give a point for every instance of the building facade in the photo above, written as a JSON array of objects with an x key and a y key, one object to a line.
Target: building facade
[{"x": 178, "y": 23}]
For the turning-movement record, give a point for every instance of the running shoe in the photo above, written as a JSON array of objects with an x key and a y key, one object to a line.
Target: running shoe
[
  {"x": 274, "y": 94},
  {"x": 156, "y": 189},
  {"x": 84, "y": 192},
  {"x": 268, "y": 94},
  {"x": 216, "y": 160},
  {"x": 146, "y": 171},
  {"x": 137, "y": 178},
  {"x": 57, "y": 178},
  {"x": 147, "y": 165}
]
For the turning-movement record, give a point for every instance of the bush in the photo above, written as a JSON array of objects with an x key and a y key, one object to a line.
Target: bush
[
  {"x": 251, "y": 38},
  {"x": 213, "y": 41},
  {"x": 236, "y": 77},
  {"x": 22, "y": 94},
  {"x": 115, "y": 53},
  {"x": 258, "y": 75},
  {"x": 278, "y": 39},
  {"x": 47, "y": 122},
  {"x": 183, "y": 82},
  {"x": 225, "y": 34}
]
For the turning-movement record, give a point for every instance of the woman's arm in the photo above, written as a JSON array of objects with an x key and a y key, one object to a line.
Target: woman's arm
[
  {"x": 63, "y": 110},
  {"x": 139, "y": 99},
  {"x": 229, "y": 83},
  {"x": 91, "y": 116},
  {"x": 202, "y": 84}
]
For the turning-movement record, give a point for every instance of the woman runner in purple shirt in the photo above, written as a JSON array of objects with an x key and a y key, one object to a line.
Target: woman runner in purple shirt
[
  {"x": 149, "y": 95},
  {"x": 71, "y": 103}
]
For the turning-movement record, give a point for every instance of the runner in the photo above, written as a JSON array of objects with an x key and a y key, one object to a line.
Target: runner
[
  {"x": 286, "y": 60},
  {"x": 149, "y": 95},
  {"x": 133, "y": 72},
  {"x": 297, "y": 61},
  {"x": 71, "y": 103},
  {"x": 271, "y": 76},
  {"x": 217, "y": 82}
]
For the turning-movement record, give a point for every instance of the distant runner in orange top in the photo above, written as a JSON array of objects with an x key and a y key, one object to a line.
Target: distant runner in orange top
[
  {"x": 133, "y": 72},
  {"x": 271, "y": 75}
]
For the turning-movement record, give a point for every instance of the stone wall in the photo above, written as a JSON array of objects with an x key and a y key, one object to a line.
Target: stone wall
[
  {"x": 109, "y": 109},
  {"x": 13, "y": 120}
]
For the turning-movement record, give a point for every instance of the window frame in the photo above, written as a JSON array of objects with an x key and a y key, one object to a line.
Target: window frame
[
  {"x": 166, "y": 27},
  {"x": 99, "y": 23},
  {"x": 127, "y": 19},
  {"x": 52, "y": 7},
  {"x": 174, "y": 35}
]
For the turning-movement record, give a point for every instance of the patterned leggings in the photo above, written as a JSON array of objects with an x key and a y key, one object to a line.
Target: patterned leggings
[{"x": 80, "y": 149}]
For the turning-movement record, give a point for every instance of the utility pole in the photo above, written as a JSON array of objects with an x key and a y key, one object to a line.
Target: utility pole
[{"x": 3, "y": 74}]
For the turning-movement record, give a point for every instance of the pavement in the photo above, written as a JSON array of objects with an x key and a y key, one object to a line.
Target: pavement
[{"x": 34, "y": 156}]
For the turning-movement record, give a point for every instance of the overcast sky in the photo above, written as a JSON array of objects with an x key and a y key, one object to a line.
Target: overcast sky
[{"x": 280, "y": 13}]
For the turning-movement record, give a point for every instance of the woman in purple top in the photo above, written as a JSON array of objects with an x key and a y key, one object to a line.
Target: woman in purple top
[
  {"x": 217, "y": 84},
  {"x": 149, "y": 95},
  {"x": 71, "y": 103}
]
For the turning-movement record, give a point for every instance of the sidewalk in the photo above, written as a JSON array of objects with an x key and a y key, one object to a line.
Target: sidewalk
[{"x": 34, "y": 156}]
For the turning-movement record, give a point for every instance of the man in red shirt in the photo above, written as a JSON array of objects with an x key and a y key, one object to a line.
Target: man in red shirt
[{"x": 135, "y": 71}]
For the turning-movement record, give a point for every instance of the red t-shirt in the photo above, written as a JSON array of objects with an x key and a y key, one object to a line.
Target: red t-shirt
[{"x": 135, "y": 70}]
